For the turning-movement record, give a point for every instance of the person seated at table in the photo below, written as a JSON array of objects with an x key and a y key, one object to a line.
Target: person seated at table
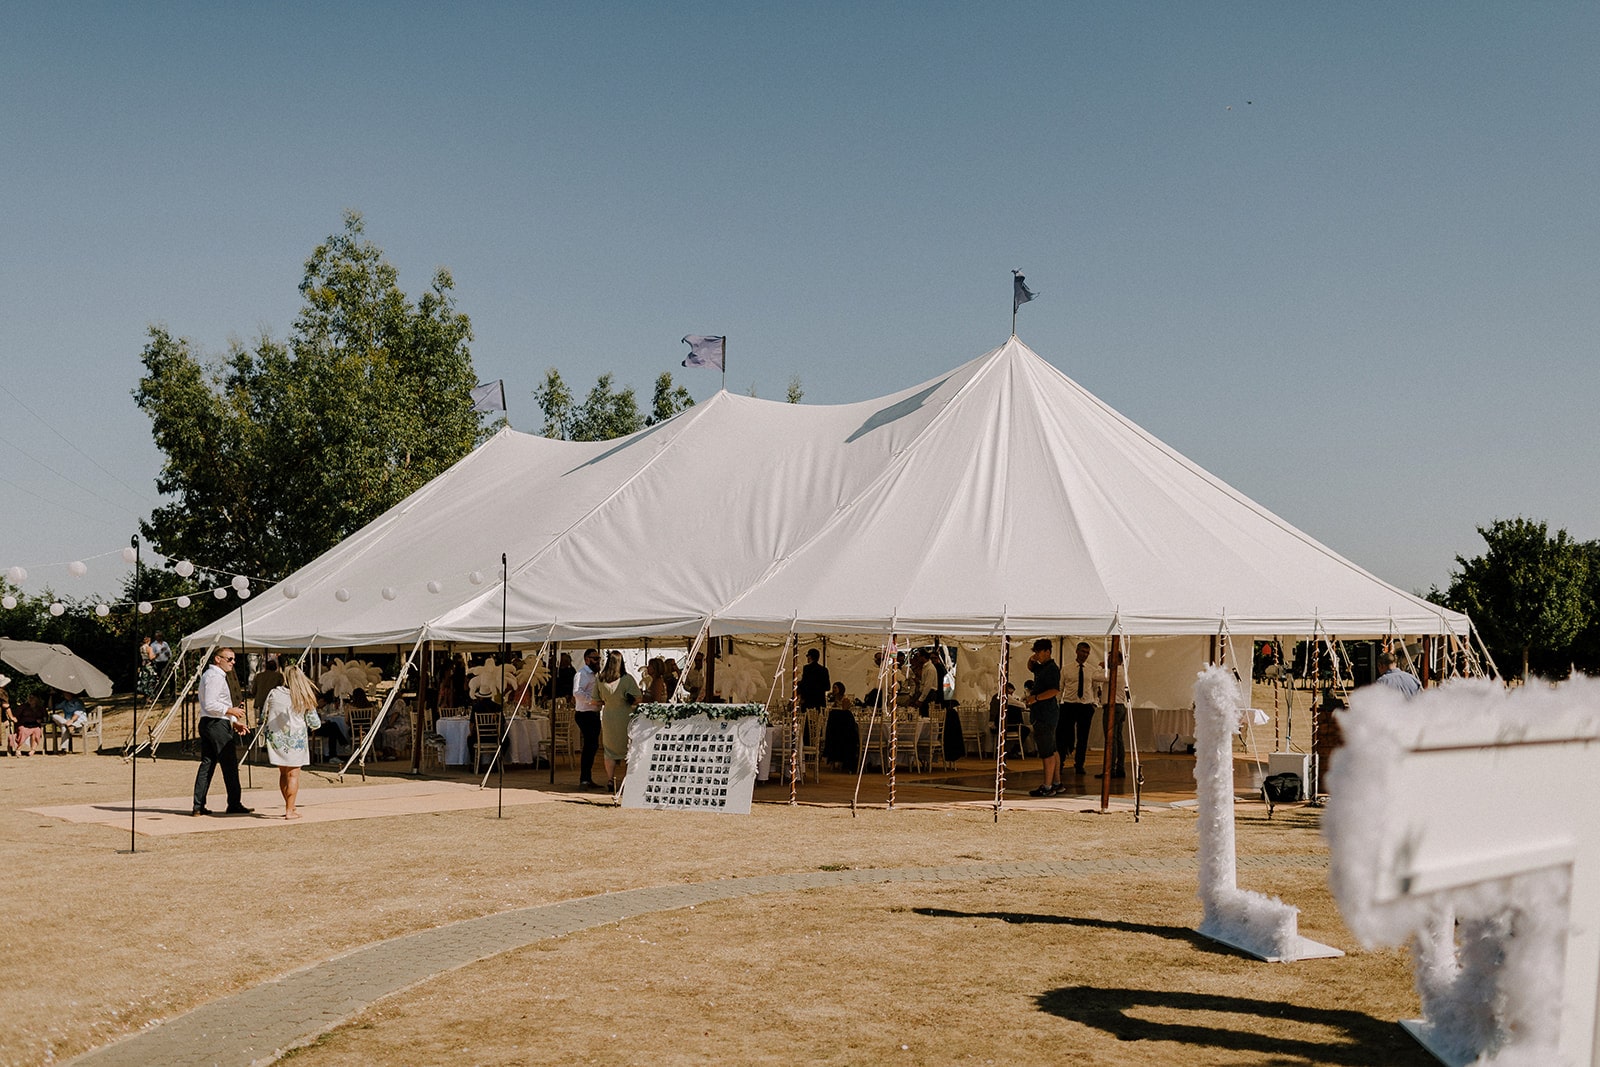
[
  {"x": 30, "y": 725},
  {"x": 870, "y": 698},
  {"x": 335, "y": 729},
  {"x": 71, "y": 716},
  {"x": 842, "y": 740},
  {"x": 1015, "y": 711},
  {"x": 8, "y": 721},
  {"x": 394, "y": 740}
]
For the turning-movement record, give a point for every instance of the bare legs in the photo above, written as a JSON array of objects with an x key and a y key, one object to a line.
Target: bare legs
[
  {"x": 616, "y": 770},
  {"x": 289, "y": 786}
]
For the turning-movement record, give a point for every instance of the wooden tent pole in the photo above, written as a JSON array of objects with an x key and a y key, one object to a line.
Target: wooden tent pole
[
  {"x": 1111, "y": 715},
  {"x": 422, "y": 707}
]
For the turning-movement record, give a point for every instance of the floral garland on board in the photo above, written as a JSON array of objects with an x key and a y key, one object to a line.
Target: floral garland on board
[{"x": 679, "y": 712}]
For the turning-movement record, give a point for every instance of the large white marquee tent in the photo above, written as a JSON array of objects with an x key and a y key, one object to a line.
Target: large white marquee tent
[{"x": 1001, "y": 497}]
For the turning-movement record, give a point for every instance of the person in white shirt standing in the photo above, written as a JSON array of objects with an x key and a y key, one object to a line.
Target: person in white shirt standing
[
  {"x": 221, "y": 721},
  {"x": 586, "y": 713}
]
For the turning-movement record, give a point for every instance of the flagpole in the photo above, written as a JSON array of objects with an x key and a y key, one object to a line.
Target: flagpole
[{"x": 724, "y": 363}]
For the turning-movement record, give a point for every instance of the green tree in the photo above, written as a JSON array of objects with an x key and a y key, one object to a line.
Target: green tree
[
  {"x": 1586, "y": 646},
  {"x": 1528, "y": 594},
  {"x": 605, "y": 413},
  {"x": 794, "y": 394},
  {"x": 667, "y": 400},
  {"x": 278, "y": 451},
  {"x": 555, "y": 400}
]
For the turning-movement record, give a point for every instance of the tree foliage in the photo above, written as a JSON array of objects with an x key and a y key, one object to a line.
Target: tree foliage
[
  {"x": 1530, "y": 594},
  {"x": 278, "y": 451},
  {"x": 667, "y": 400},
  {"x": 607, "y": 411}
]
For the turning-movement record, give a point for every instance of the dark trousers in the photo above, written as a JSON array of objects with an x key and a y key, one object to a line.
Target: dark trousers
[
  {"x": 218, "y": 748},
  {"x": 1074, "y": 733},
  {"x": 589, "y": 726}
]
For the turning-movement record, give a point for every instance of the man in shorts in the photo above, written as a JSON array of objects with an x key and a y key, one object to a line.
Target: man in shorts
[{"x": 1045, "y": 716}]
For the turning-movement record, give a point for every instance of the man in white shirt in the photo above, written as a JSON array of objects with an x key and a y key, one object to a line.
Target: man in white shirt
[
  {"x": 586, "y": 713},
  {"x": 1077, "y": 709},
  {"x": 220, "y": 721}
]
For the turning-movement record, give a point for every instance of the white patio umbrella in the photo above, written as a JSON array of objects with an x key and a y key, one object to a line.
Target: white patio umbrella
[{"x": 57, "y": 666}]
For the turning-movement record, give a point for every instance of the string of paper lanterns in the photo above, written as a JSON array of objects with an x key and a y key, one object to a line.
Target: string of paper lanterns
[{"x": 238, "y": 584}]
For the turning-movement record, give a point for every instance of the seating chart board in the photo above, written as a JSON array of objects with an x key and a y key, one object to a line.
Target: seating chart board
[{"x": 693, "y": 758}]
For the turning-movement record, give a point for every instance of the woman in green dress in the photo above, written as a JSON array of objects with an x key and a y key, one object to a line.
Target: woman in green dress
[{"x": 618, "y": 693}]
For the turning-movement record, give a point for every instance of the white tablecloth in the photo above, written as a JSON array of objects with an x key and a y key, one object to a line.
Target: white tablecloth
[
  {"x": 456, "y": 733},
  {"x": 526, "y": 740},
  {"x": 769, "y": 745}
]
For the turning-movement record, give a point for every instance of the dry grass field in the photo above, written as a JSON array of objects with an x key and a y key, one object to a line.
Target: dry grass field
[{"x": 1034, "y": 970}]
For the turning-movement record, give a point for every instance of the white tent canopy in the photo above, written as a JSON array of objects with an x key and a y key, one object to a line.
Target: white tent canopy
[{"x": 1000, "y": 497}]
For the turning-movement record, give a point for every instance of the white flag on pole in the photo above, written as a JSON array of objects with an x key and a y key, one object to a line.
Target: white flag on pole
[
  {"x": 705, "y": 350},
  {"x": 490, "y": 396}
]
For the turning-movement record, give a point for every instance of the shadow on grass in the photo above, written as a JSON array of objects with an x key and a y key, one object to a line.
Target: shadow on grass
[
  {"x": 1355, "y": 1038},
  {"x": 1174, "y": 933}
]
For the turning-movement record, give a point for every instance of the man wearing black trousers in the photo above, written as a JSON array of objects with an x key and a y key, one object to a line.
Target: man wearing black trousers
[
  {"x": 220, "y": 721},
  {"x": 586, "y": 713},
  {"x": 1077, "y": 709}
]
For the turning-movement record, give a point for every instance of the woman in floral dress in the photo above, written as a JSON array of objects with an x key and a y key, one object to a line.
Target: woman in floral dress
[{"x": 288, "y": 746}]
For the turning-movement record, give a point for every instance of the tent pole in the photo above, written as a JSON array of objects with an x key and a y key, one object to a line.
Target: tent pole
[
  {"x": 422, "y": 707},
  {"x": 796, "y": 743},
  {"x": 894, "y": 714},
  {"x": 505, "y": 657},
  {"x": 133, "y": 795},
  {"x": 250, "y": 777},
  {"x": 1000, "y": 726},
  {"x": 1111, "y": 714}
]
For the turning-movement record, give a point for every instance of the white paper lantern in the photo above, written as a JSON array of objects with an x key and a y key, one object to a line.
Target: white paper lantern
[
  {"x": 77, "y": 568},
  {"x": 145, "y": 607},
  {"x": 240, "y": 583},
  {"x": 390, "y": 592},
  {"x": 184, "y": 568},
  {"x": 435, "y": 585},
  {"x": 57, "y": 608},
  {"x": 341, "y": 594},
  {"x": 184, "y": 602},
  {"x": 129, "y": 555},
  {"x": 290, "y": 590},
  {"x": 102, "y": 610},
  {"x": 244, "y": 594},
  {"x": 17, "y": 575},
  {"x": 220, "y": 592},
  {"x": 8, "y": 601},
  {"x": 476, "y": 577}
]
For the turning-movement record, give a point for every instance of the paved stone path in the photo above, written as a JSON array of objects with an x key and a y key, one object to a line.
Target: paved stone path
[{"x": 260, "y": 1024}]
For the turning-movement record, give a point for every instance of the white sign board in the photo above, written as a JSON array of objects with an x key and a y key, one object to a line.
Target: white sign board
[
  {"x": 1465, "y": 817},
  {"x": 694, "y": 764}
]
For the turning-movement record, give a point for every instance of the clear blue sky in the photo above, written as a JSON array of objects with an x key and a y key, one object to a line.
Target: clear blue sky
[{"x": 1345, "y": 256}]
